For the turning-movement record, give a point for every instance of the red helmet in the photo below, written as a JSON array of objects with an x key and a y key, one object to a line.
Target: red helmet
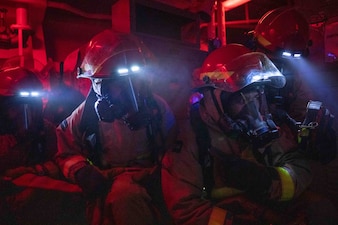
[
  {"x": 19, "y": 81},
  {"x": 233, "y": 67},
  {"x": 20, "y": 101},
  {"x": 283, "y": 29},
  {"x": 118, "y": 66},
  {"x": 110, "y": 54},
  {"x": 216, "y": 59}
]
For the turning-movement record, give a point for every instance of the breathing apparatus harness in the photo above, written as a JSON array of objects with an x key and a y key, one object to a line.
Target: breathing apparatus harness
[
  {"x": 251, "y": 127},
  {"x": 148, "y": 116},
  {"x": 259, "y": 136}
]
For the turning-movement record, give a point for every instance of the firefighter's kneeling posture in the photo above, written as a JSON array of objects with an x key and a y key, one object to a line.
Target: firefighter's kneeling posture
[
  {"x": 32, "y": 188},
  {"x": 235, "y": 165},
  {"x": 111, "y": 145}
]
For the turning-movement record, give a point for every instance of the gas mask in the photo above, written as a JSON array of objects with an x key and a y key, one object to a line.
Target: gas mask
[
  {"x": 108, "y": 110},
  {"x": 115, "y": 99},
  {"x": 251, "y": 119},
  {"x": 119, "y": 100},
  {"x": 21, "y": 116}
]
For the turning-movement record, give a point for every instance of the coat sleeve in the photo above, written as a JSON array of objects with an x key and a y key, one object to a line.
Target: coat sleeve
[
  {"x": 182, "y": 185},
  {"x": 293, "y": 169},
  {"x": 274, "y": 174},
  {"x": 70, "y": 155}
]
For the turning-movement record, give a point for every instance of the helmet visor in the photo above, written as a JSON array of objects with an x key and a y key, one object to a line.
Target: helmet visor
[
  {"x": 245, "y": 70},
  {"x": 110, "y": 54}
]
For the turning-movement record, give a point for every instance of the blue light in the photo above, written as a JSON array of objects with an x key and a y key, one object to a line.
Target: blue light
[
  {"x": 35, "y": 94},
  {"x": 135, "y": 68},
  {"x": 291, "y": 54},
  {"x": 29, "y": 94},
  {"x": 24, "y": 93},
  {"x": 287, "y": 54},
  {"x": 123, "y": 71}
]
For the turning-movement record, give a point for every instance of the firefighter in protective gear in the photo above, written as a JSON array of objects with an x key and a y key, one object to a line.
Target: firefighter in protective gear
[
  {"x": 22, "y": 124},
  {"x": 111, "y": 145},
  {"x": 283, "y": 34},
  {"x": 235, "y": 165},
  {"x": 27, "y": 147}
]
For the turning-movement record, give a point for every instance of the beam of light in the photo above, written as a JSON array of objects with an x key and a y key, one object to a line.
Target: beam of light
[
  {"x": 321, "y": 83},
  {"x": 135, "y": 68},
  {"x": 286, "y": 54},
  {"x": 35, "y": 94},
  {"x": 122, "y": 71},
  {"x": 24, "y": 93},
  {"x": 29, "y": 94}
]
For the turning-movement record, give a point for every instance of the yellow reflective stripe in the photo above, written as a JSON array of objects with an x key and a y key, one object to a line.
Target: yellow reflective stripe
[
  {"x": 263, "y": 41},
  {"x": 220, "y": 217},
  {"x": 223, "y": 192},
  {"x": 217, "y": 75},
  {"x": 288, "y": 188},
  {"x": 304, "y": 132},
  {"x": 90, "y": 162}
]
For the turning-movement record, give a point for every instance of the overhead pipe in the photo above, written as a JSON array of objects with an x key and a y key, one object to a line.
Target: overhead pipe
[
  {"x": 21, "y": 24},
  {"x": 221, "y": 29},
  {"x": 218, "y": 13}
]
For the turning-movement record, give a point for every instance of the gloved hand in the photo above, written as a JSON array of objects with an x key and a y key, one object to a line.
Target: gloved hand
[
  {"x": 92, "y": 182},
  {"x": 247, "y": 211},
  {"x": 244, "y": 175},
  {"x": 317, "y": 137}
]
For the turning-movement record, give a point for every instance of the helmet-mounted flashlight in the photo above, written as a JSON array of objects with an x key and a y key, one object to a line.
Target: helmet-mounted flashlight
[
  {"x": 288, "y": 54},
  {"x": 29, "y": 94},
  {"x": 126, "y": 71}
]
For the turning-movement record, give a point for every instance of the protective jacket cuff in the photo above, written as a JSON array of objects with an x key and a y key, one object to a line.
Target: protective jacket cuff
[
  {"x": 72, "y": 165},
  {"x": 288, "y": 187},
  {"x": 220, "y": 217}
]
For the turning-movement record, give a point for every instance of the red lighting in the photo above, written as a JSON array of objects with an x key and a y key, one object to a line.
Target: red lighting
[{"x": 230, "y": 4}]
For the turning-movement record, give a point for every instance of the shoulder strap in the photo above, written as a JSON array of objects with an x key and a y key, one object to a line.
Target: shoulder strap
[
  {"x": 89, "y": 128},
  {"x": 204, "y": 143},
  {"x": 154, "y": 131}
]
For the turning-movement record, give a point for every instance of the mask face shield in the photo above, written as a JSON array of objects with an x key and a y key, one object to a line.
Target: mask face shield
[
  {"x": 21, "y": 116},
  {"x": 110, "y": 55},
  {"x": 248, "y": 110},
  {"x": 119, "y": 66},
  {"x": 118, "y": 97},
  {"x": 247, "y": 69},
  {"x": 20, "y": 102}
]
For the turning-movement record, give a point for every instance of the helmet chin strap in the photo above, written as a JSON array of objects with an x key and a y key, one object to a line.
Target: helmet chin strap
[
  {"x": 133, "y": 96},
  {"x": 144, "y": 114}
]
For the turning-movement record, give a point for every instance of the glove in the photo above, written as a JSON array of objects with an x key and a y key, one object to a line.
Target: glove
[
  {"x": 244, "y": 175},
  {"x": 92, "y": 182},
  {"x": 317, "y": 137},
  {"x": 247, "y": 211}
]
